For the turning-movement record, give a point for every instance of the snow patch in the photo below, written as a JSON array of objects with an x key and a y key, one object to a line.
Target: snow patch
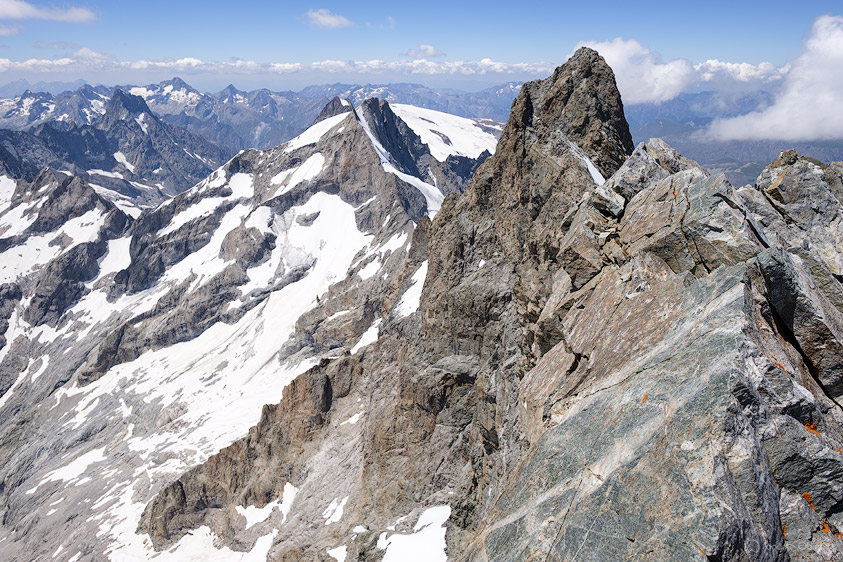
[
  {"x": 592, "y": 169},
  {"x": 333, "y": 512},
  {"x": 38, "y": 250},
  {"x": 369, "y": 269},
  {"x": 306, "y": 171},
  {"x": 338, "y": 553},
  {"x": 116, "y": 258},
  {"x": 74, "y": 469},
  {"x": 353, "y": 419},
  {"x": 7, "y": 190},
  {"x": 425, "y": 544},
  {"x": 411, "y": 299},
  {"x": 287, "y": 499},
  {"x": 121, "y": 158},
  {"x": 115, "y": 175},
  {"x": 241, "y": 187},
  {"x": 369, "y": 337},
  {"x": 255, "y": 515},
  {"x": 198, "y": 546}
]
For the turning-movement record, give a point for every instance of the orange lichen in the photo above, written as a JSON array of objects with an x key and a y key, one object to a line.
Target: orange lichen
[
  {"x": 807, "y": 497},
  {"x": 812, "y": 427},
  {"x": 784, "y": 530},
  {"x": 824, "y": 527},
  {"x": 760, "y": 391},
  {"x": 780, "y": 366},
  {"x": 644, "y": 399},
  {"x": 838, "y": 449}
]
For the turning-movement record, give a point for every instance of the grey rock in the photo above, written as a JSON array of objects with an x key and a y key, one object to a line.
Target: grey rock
[
  {"x": 650, "y": 162},
  {"x": 336, "y": 106},
  {"x": 815, "y": 323}
]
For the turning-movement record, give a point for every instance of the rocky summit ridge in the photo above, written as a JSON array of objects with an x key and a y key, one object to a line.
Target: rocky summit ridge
[{"x": 592, "y": 351}]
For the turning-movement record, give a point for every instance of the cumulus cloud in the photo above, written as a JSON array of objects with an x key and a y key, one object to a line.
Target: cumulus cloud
[
  {"x": 808, "y": 104},
  {"x": 20, "y": 10},
  {"x": 326, "y": 19},
  {"x": 424, "y": 51},
  {"x": 643, "y": 77},
  {"x": 7, "y": 30},
  {"x": 85, "y": 60},
  {"x": 86, "y": 53},
  {"x": 764, "y": 73},
  {"x": 640, "y": 73},
  {"x": 427, "y": 67}
]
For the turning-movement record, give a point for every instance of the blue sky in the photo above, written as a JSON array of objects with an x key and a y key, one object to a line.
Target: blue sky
[
  {"x": 289, "y": 33},
  {"x": 269, "y": 31},
  {"x": 658, "y": 49}
]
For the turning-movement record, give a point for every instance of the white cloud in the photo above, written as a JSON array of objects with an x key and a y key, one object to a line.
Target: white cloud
[
  {"x": 808, "y": 105},
  {"x": 427, "y": 67},
  {"x": 764, "y": 73},
  {"x": 20, "y": 10},
  {"x": 327, "y": 19},
  {"x": 641, "y": 75},
  {"x": 86, "y": 53},
  {"x": 87, "y": 62},
  {"x": 7, "y": 30},
  {"x": 425, "y": 50}
]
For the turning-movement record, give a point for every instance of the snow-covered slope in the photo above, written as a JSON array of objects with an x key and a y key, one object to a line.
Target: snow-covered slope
[
  {"x": 447, "y": 134},
  {"x": 159, "y": 342}
]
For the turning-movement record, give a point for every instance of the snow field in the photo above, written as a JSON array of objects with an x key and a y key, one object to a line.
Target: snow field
[
  {"x": 316, "y": 132},
  {"x": 464, "y": 136},
  {"x": 213, "y": 411}
]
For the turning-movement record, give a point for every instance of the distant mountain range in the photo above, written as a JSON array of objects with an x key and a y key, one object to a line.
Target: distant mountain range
[
  {"x": 117, "y": 144},
  {"x": 238, "y": 119},
  {"x": 262, "y": 119}
]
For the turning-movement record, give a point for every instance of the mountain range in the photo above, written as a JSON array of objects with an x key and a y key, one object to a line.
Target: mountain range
[
  {"x": 404, "y": 334},
  {"x": 262, "y": 119},
  {"x": 123, "y": 148}
]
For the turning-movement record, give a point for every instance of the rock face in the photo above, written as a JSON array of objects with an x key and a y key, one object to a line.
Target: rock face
[
  {"x": 547, "y": 390},
  {"x": 335, "y": 107},
  {"x": 593, "y": 351}
]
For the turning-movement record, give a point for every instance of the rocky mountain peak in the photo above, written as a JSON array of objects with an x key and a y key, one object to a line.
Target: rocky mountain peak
[
  {"x": 177, "y": 84},
  {"x": 399, "y": 140},
  {"x": 229, "y": 92},
  {"x": 580, "y": 99},
  {"x": 336, "y": 106},
  {"x": 122, "y": 104}
]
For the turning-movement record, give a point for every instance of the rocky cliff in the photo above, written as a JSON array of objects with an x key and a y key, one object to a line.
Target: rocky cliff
[{"x": 644, "y": 367}]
